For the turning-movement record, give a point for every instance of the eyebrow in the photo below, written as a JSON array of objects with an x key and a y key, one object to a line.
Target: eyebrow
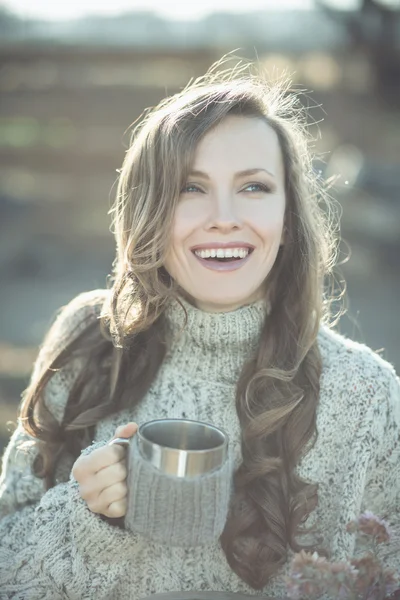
[{"x": 238, "y": 174}]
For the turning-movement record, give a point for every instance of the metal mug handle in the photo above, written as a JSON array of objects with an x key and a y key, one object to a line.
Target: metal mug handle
[{"x": 120, "y": 441}]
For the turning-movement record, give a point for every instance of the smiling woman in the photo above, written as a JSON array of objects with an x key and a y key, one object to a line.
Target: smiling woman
[{"x": 216, "y": 312}]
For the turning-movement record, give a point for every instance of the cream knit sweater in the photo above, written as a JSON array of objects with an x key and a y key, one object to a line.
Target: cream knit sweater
[{"x": 53, "y": 547}]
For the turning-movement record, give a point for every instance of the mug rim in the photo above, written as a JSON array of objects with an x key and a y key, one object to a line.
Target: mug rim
[{"x": 224, "y": 443}]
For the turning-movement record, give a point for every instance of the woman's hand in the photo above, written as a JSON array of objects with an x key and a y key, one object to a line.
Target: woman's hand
[{"x": 102, "y": 476}]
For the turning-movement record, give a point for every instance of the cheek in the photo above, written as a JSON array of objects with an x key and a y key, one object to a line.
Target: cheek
[
  {"x": 269, "y": 226},
  {"x": 186, "y": 221},
  {"x": 179, "y": 233},
  {"x": 267, "y": 210},
  {"x": 177, "y": 238}
]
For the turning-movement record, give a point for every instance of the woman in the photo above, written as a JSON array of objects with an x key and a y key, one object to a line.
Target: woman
[{"x": 216, "y": 312}]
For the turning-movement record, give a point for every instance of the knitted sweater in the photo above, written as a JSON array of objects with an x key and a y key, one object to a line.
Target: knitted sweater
[{"x": 53, "y": 547}]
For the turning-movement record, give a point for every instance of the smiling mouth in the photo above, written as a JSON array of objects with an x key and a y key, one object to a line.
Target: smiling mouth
[
  {"x": 224, "y": 262},
  {"x": 223, "y": 256}
]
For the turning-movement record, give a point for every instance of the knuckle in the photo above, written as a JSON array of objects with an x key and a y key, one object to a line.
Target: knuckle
[
  {"x": 78, "y": 469},
  {"x": 87, "y": 492},
  {"x": 112, "y": 454},
  {"x": 118, "y": 452},
  {"x": 116, "y": 509},
  {"x": 99, "y": 456},
  {"x": 121, "y": 471},
  {"x": 113, "y": 493},
  {"x": 83, "y": 492},
  {"x": 94, "y": 506},
  {"x": 98, "y": 459},
  {"x": 121, "y": 490}
]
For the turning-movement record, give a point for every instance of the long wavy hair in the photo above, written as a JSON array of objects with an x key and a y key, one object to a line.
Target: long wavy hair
[{"x": 122, "y": 342}]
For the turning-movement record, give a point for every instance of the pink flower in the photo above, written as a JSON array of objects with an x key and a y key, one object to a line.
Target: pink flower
[
  {"x": 371, "y": 577},
  {"x": 311, "y": 575},
  {"x": 370, "y": 524},
  {"x": 361, "y": 578}
]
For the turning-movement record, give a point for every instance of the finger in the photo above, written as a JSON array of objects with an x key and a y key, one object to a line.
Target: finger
[
  {"x": 91, "y": 489},
  {"x": 127, "y": 430},
  {"x": 114, "y": 493},
  {"x": 116, "y": 509},
  {"x": 111, "y": 475},
  {"x": 104, "y": 457}
]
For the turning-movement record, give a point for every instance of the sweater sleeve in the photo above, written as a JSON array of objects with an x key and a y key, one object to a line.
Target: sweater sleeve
[
  {"x": 51, "y": 545},
  {"x": 18, "y": 486},
  {"x": 382, "y": 490}
]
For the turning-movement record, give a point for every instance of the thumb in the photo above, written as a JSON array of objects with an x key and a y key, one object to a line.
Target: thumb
[{"x": 126, "y": 431}]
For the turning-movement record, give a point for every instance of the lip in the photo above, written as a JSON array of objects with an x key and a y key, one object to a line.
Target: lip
[{"x": 215, "y": 245}]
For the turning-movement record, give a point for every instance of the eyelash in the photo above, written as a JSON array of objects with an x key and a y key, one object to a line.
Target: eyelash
[{"x": 263, "y": 188}]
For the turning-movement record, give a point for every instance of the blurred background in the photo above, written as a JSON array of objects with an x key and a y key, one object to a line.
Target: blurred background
[{"x": 74, "y": 77}]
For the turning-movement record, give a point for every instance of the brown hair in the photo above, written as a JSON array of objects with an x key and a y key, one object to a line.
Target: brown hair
[{"x": 120, "y": 352}]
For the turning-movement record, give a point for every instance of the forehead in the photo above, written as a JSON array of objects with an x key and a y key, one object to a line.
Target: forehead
[{"x": 240, "y": 143}]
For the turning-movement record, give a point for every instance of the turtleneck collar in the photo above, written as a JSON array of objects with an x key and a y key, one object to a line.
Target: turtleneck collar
[{"x": 213, "y": 346}]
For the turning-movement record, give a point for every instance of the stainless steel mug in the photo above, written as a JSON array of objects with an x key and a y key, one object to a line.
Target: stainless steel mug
[
  {"x": 179, "y": 481},
  {"x": 181, "y": 447}
]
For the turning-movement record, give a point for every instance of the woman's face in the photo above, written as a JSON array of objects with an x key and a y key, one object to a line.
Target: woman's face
[{"x": 229, "y": 222}]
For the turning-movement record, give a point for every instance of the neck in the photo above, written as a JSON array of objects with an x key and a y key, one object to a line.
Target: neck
[
  {"x": 219, "y": 308},
  {"x": 213, "y": 345}
]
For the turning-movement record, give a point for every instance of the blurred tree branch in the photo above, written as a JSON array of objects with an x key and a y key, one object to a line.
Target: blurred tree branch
[{"x": 374, "y": 29}]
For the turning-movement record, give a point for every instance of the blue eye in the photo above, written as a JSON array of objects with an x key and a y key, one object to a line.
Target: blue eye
[
  {"x": 190, "y": 188},
  {"x": 259, "y": 187}
]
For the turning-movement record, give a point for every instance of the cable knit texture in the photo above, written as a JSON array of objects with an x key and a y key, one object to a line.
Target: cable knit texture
[
  {"x": 53, "y": 547},
  {"x": 188, "y": 511}
]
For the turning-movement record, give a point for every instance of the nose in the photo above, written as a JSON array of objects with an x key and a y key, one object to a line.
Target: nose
[{"x": 224, "y": 216}]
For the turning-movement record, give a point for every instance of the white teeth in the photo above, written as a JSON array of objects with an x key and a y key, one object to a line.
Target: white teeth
[{"x": 221, "y": 253}]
